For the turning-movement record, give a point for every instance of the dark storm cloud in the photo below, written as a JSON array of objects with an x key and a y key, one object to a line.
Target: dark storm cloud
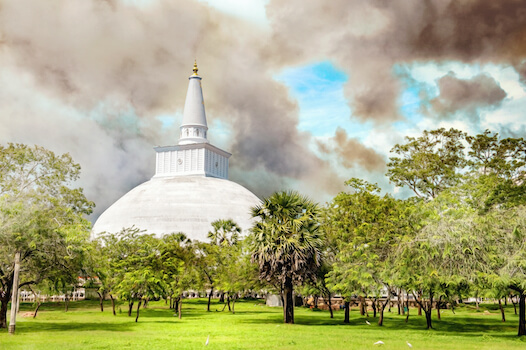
[
  {"x": 110, "y": 68},
  {"x": 351, "y": 152},
  {"x": 90, "y": 77},
  {"x": 367, "y": 38},
  {"x": 466, "y": 96}
]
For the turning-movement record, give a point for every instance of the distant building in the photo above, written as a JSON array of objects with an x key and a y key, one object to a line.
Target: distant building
[{"x": 190, "y": 188}]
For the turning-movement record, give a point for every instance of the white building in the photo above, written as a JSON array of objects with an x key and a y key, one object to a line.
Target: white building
[{"x": 190, "y": 188}]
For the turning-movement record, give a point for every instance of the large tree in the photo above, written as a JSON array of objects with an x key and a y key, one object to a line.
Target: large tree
[
  {"x": 178, "y": 268},
  {"x": 42, "y": 229},
  {"x": 430, "y": 163},
  {"x": 367, "y": 228},
  {"x": 470, "y": 179},
  {"x": 286, "y": 243}
]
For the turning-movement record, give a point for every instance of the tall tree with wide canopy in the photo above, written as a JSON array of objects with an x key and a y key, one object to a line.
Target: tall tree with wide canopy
[
  {"x": 286, "y": 243},
  {"x": 472, "y": 232},
  {"x": 367, "y": 228},
  {"x": 42, "y": 224},
  {"x": 430, "y": 163}
]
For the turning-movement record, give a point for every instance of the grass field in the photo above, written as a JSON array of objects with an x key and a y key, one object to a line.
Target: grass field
[{"x": 254, "y": 326}]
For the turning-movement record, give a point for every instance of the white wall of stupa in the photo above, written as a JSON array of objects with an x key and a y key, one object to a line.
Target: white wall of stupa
[{"x": 190, "y": 188}]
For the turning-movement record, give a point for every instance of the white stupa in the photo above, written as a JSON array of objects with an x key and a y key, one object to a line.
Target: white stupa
[{"x": 190, "y": 188}]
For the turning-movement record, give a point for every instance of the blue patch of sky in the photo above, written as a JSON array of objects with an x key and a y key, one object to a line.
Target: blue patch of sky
[
  {"x": 410, "y": 100},
  {"x": 167, "y": 120},
  {"x": 419, "y": 86},
  {"x": 318, "y": 90},
  {"x": 220, "y": 133}
]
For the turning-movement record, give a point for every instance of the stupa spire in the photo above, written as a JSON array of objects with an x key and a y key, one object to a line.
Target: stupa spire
[{"x": 194, "y": 126}]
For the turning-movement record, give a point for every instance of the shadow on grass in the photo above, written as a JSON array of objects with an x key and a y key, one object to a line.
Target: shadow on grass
[{"x": 50, "y": 327}]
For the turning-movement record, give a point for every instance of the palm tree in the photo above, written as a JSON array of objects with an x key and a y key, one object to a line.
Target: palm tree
[
  {"x": 286, "y": 243},
  {"x": 226, "y": 233}
]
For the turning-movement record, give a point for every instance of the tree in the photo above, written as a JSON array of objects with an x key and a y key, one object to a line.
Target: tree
[
  {"x": 474, "y": 191},
  {"x": 178, "y": 267},
  {"x": 225, "y": 233},
  {"x": 286, "y": 243},
  {"x": 139, "y": 268},
  {"x": 42, "y": 229},
  {"x": 510, "y": 243},
  {"x": 430, "y": 163},
  {"x": 214, "y": 257},
  {"x": 367, "y": 229}
]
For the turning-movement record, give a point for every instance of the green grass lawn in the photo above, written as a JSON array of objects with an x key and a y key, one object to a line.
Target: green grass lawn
[{"x": 254, "y": 326}]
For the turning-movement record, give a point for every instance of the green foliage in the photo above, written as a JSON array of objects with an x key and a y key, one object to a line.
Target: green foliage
[
  {"x": 430, "y": 163},
  {"x": 41, "y": 217},
  {"x": 367, "y": 229},
  {"x": 286, "y": 243},
  {"x": 286, "y": 240}
]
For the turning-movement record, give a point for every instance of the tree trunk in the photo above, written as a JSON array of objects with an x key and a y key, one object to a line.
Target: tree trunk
[
  {"x": 361, "y": 306},
  {"x": 66, "y": 301},
  {"x": 502, "y": 311},
  {"x": 14, "y": 298},
  {"x": 514, "y": 303},
  {"x": 36, "y": 309},
  {"x": 330, "y": 305},
  {"x": 228, "y": 302},
  {"x": 130, "y": 307},
  {"x": 222, "y": 297},
  {"x": 407, "y": 312},
  {"x": 113, "y": 304},
  {"x": 234, "y": 297},
  {"x": 381, "y": 311},
  {"x": 399, "y": 302},
  {"x": 373, "y": 305},
  {"x": 179, "y": 308},
  {"x": 315, "y": 301},
  {"x": 428, "y": 311},
  {"x": 428, "y": 319},
  {"x": 522, "y": 313},
  {"x": 288, "y": 305},
  {"x": 209, "y": 298},
  {"x": 176, "y": 304},
  {"x": 347, "y": 309},
  {"x": 138, "y": 308},
  {"x": 101, "y": 299},
  {"x": 3, "y": 309},
  {"x": 438, "y": 307},
  {"x": 420, "y": 303}
]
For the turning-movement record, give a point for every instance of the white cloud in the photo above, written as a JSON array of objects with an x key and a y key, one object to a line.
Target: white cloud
[{"x": 250, "y": 10}]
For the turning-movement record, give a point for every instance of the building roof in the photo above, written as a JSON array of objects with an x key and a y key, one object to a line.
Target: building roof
[{"x": 187, "y": 204}]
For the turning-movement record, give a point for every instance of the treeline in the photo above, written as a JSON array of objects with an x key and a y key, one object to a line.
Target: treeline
[{"x": 461, "y": 233}]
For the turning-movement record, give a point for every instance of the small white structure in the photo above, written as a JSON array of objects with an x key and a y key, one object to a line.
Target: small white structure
[{"x": 190, "y": 188}]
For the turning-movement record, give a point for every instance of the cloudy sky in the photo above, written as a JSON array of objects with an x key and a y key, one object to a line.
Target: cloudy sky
[{"x": 304, "y": 93}]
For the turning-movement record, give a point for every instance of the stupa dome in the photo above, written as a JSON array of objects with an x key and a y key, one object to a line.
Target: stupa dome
[
  {"x": 186, "y": 204},
  {"x": 190, "y": 188}
]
